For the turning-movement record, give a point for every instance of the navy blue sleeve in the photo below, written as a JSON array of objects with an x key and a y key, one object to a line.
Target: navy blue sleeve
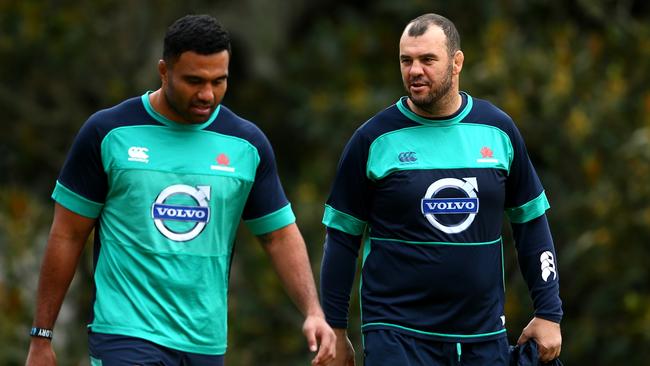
[
  {"x": 266, "y": 195},
  {"x": 523, "y": 184},
  {"x": 526, "y": 204},
  {"x": 345, "y": 218},
  {"x": 337, "y": 275},
  {"x": 537, "y": 261},
  {"x": 83, "y": 171},
  {"x": 351, "y": 189}
]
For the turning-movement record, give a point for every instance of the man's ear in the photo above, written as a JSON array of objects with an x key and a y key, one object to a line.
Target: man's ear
[
  {"x": 163, "y": 71},
  {"x": 459, "y": 57}
]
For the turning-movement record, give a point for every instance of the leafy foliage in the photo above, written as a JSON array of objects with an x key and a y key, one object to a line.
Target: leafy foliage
[{"x": 574, "y": 76}]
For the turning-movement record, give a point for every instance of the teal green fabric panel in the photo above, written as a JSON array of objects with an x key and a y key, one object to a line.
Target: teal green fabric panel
[
  {"x": 95, "y": 362},
  {"x": 166, "y": 121},
  {"x": 367, "y": 248},
  {"x": 531, "y": 210},
  {"x": 174, "y": 203},
  {"x": 159, "y": 149},
  {"x": 272, "y": 221},
  {"x": 466, "y": 336},
  {"x": 175, "y": 199},
  {"x": 147, "y": 194},
  {"x": 341, "y": 221},
  {"x": 184, "y": 292},
  {"x": 463, "y": 145},
  {"x": 76, "y": 203}
]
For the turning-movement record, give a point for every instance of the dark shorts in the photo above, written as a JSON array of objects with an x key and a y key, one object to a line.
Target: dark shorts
[
  {"x": 117, "y": 350},
  {"x": 386, "y": 347}
]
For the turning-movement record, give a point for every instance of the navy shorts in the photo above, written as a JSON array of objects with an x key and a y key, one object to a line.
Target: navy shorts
[
  {"x": 118, "y": 350},
  {"x": 386, "y": 347}
]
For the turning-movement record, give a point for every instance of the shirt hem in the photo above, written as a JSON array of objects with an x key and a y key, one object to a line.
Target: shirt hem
[
  {"x": 439, "y": 337},
  {"x": 160, "y": 340}
]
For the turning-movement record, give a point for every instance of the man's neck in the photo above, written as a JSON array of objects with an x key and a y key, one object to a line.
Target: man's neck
[
  {"x": 160, "y": 105},
  {"x": 444, "y": 107}
]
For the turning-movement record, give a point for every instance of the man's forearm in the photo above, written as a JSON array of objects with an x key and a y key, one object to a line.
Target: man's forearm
[
  {"x": 57, "y": 271},
  {"x": 65, "y": 244},
  {"x": 288, "y": 253}
]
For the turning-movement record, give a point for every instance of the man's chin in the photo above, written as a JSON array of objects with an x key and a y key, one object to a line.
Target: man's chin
[
  {"x": 199, "y": 120},
  {"x": 200, "y": 117},
  {"x": 421, "y": 101}
]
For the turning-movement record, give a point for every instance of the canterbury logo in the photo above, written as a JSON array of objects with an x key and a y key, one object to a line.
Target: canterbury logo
[
  {"x": 407, "y": 157},
  {"x": 547, "y": 266},
  {"x": 137, "y": 153}
]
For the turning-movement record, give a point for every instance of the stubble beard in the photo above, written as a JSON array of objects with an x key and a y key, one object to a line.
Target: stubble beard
[
  {"x": 179, "y": 110},
  {"x": 429, "y": 102}
]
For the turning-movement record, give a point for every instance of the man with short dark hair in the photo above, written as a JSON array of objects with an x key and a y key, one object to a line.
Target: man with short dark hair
[
  {"x": 164, "y": 180},
  {"x": 424, "y": 183}
]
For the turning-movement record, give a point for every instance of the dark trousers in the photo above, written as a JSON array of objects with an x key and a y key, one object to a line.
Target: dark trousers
[
  {"x": 390, "y": 348},
  {"x": 118, "y": 350}
]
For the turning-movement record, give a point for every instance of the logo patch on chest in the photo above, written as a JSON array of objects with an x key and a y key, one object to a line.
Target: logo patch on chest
[
  {"x": 451, "y": 204},
  {"x": 139, "y": 154},
  {"x": 487, "y": 156},
  {"x": 223, "y": 164},
  {"x": 181, "y": 212},
  {"x": 407, "y": 157}
]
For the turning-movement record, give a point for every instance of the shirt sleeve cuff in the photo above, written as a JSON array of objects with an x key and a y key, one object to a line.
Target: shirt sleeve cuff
[
  {"x": 530, "y": 210},
  {"x": 343, "y": 222},
  {"x": 272, "y": 221},
  {"x": 76, "y": 203}
]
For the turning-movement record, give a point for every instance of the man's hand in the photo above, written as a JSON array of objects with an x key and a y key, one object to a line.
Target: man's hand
[
  {"x": 288, "y": 253},
  {"x": 321, "y": 338},
  {"x": 40, "y": 353},
  {"x": 547, "y": 335},
  {"x": 344, "y": 350}
]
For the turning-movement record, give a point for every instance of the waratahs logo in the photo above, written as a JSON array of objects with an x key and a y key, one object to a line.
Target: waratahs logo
[
  {"x": 451, "y": 204},
  {"x": 181, "y": 212}
]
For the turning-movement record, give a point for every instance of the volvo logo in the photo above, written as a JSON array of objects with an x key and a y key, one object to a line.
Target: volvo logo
[
  {"x": 434, "y": 207},
  {"x": 181, "y": 212}
]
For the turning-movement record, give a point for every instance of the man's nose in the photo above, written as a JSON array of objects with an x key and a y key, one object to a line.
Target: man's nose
[
  {"x": 415, "y": 69},
  {"x": 206, "y": 94}
]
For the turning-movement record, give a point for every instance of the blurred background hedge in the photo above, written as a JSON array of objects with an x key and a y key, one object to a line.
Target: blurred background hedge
[{"x": 574, "y": 75}]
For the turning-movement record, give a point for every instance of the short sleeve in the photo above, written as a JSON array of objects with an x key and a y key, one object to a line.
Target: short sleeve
[
  {"x": 267, "y": 207},
  {"x": 82, "y": 183},
  {"x": 347, "y": 206}
]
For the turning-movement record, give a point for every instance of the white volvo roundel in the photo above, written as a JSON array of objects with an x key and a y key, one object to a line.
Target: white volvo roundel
[
  {"x": 433, "y": 207},
  {"x": 181, "y": 212}
]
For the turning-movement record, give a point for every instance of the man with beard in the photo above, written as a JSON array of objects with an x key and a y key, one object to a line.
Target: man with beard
[
  {"x": 164, "y": 180},
  {"x": 424, "y": 185}
]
